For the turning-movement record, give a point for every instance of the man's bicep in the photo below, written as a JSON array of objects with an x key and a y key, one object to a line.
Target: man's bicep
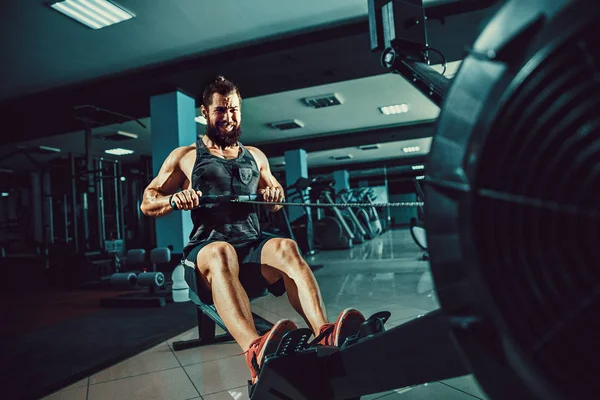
[
  {"x": 267, "y": 180},
  {"x": 266, "y": 177}
]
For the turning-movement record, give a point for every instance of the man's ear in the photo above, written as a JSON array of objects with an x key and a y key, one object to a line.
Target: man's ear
[{"x": 203, "y": 110}]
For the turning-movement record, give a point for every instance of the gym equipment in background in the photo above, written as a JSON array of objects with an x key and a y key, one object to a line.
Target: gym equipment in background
[
  {"x": 360, "y": 234},
  {"x": 158, "y": 294},
  {"x": 417, "y": 230},
  {"x": 332, "y": 231},
  {"x": 301, "y": 230}
]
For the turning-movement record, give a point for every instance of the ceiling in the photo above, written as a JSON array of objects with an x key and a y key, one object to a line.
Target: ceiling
[
  {"x": 162, "y": 31},
  {"x": 278, "y": 52}
]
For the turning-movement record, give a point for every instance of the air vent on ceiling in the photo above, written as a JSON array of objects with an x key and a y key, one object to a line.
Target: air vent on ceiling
[
  {"x": 287, "y": 125},
  {"x": 340, "y": 158},
  {"x": 323, "y": 101},
  {"x": 369, "y": 147},
  {"x": 119, "y": 136}
]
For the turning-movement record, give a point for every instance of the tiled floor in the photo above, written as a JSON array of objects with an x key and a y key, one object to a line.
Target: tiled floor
[{"x": 383, "y": 274}]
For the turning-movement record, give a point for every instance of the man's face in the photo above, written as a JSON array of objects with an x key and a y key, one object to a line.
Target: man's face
[{"x": 223, "y": 119}]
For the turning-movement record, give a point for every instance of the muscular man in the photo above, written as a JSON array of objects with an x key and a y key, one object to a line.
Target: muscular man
[{"x": 227, "y": 254}]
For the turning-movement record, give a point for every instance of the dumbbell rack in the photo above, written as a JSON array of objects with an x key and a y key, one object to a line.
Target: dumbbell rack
[{"x": 157, "y": 295}]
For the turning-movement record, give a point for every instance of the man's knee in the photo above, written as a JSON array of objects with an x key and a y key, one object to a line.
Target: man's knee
[
  {"x": 217, "y": 258},
  {"x": 287, "y": 251},
  {"x": 286, "y": 248}
]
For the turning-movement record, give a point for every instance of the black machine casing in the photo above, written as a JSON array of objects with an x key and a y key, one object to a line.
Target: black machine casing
[{"x": 505, "y": 243}]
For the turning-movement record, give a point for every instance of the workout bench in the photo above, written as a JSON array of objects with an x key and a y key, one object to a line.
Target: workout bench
[{"x": 208, "y": 319}]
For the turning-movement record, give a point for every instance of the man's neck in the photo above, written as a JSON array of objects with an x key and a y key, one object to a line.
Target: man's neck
[{"x": 212, "y": 145}]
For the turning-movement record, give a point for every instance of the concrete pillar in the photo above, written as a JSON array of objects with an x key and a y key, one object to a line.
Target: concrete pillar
[
  {"x": 172, "y": 123},
  {"x": 296, "y": 166},
  {"x": 342, "y": 180}
]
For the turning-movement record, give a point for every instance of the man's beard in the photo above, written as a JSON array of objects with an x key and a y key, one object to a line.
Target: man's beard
[{"x": 223, "y": 139}]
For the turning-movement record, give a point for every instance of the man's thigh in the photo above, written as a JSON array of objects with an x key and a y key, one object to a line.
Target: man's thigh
[
  {"x": 256, "y": 276},
  {"x": 198, "y": 283}
]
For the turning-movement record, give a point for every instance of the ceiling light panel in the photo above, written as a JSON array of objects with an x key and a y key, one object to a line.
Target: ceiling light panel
[
  {"x": 96, "y": 14},
  {"x": 287, "y": 125},
  {"x": 119, "y": 152},
  {"x": 327, "y": 100}
]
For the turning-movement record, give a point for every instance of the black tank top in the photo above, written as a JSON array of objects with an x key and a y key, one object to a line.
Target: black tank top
[{"x": 232, "y": 223}]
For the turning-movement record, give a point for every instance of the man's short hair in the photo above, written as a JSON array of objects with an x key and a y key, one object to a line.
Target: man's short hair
[{"x": 219, "y": 85}]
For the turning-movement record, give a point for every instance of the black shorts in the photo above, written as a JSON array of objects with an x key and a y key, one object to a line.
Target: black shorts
[{"x": 249, "y": 256}]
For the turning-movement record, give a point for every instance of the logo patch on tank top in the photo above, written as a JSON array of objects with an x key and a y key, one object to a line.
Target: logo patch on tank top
[{"x": 245, "y": 175}]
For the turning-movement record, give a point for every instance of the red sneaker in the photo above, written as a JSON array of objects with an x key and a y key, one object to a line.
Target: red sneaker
[
  {"x": 265, "y": 345},
  {"x": 347, "y": 324}
]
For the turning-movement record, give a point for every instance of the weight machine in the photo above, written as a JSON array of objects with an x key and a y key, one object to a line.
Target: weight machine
[{"x": 511, "y": 186}]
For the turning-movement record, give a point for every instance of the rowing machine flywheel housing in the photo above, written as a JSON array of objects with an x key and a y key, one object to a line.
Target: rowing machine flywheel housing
[{"x": 512, "y": 202}]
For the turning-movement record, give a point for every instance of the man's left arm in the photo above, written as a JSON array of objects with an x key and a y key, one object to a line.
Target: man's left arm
[{"x": 268, "y": 187}]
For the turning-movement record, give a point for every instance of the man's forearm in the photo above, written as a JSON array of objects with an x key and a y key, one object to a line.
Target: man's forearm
[{"x": 155, "y": 204}]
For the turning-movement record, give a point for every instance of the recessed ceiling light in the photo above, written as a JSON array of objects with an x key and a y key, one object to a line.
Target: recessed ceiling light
[
  {"x": 395, "y": 109},
  {"x": 287, "y": 125},
  {"x": 323, "y": 101},
  {"x": 96, "y": 14},
  {"x": 340, "y": 158},
  {"x": 417, "y": 167},
  {"x": 411, "y": 149},
  {"x": 119, "y": 152},
  {"x": 200, "y": 119},
  {"x": 369, "y": 147}
]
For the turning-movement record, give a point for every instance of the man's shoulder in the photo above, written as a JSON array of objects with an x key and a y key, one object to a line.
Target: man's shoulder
[
  {"x": 183, "y": 150},
  {"x": 254, "y": 150}
]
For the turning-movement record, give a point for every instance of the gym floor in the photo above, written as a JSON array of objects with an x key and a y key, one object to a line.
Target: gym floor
[{"x": 382, "y": 274}]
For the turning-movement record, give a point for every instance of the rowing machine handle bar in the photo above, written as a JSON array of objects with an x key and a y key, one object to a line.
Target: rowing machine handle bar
[{"x": 215, "y": 199}]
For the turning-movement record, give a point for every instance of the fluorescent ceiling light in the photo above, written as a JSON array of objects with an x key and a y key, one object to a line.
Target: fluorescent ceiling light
[
  {"x": 96, "y": 14},
  {"x": 417, "y": 167},
  {"x": 49, "y": 149},
  {"x": 6, "y": 170},
  {"x": 200, "y": 119},
  {"x": 411, "y": 149},
  {"x": 119, "y": 152},
  {"x": 420, "y": 177},
  {"x": 395, "y": 109},
  {"x": 4, "y": 194},
  {"x": 128, "y": 134}
]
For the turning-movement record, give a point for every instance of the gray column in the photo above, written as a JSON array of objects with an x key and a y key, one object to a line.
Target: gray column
[
  {"x": 342, "y": 180},
  {"x": 296, "y": 166},
  {"x": 172, "y": 124}
]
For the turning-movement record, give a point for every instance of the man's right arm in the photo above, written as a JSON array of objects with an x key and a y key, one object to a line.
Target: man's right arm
[{"x": 170, "y": 178}]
